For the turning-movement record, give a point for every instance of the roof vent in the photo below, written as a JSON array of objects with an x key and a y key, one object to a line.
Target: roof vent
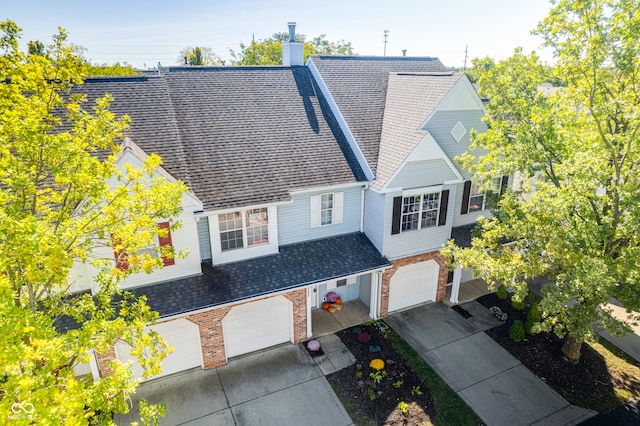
[{"x": 292, "y": 31}]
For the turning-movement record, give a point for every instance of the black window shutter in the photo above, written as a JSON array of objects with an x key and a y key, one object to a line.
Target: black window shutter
[
  {"x": 397, "y": 214},
  {"x": 503, "y": 184},
  {"x": 465, "y": 197},
  {"x": 444, "y": 203}
]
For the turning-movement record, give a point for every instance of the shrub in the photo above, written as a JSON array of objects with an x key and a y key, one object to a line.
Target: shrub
[
  {"x": 502, "y": 292},
  {"x": 516, "y": 331},
  {"x": 533, "y": 316},
  {"x": 518, "y": 306}
]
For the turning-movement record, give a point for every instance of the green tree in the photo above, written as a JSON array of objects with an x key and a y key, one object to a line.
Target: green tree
[
  {"x": 269, "y": 51},
  {"x": 116, "y": 69},
  {"x": 199, "y": 56},
  {"x": 37, "y": 48},
  {"x": 57, "y": 157},
  {"x": 575, "y": 214}
]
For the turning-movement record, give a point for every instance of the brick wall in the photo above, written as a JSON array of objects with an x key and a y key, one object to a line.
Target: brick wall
[{"x": 396, "y": 264}]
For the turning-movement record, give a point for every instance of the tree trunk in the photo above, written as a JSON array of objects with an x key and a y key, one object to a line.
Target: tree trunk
[{"x": 571, "y": 349}]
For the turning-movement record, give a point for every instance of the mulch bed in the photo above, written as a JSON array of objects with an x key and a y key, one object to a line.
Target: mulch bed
[
  {"x": 587, "y": 383},
  {"x": 383, "y": 409}
]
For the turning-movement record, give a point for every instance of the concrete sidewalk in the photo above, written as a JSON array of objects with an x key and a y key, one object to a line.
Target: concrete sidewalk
[
  {"x": 489, "y": 379},
  {"x": 280, "y": 386}
]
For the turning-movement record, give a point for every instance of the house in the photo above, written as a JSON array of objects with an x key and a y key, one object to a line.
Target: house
[
  {"x": 303, "y": 178},
  {"x": 410, "y": 117}
]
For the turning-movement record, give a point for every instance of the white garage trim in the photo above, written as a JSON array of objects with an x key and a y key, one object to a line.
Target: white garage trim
[
  {"x": 413, "y": 284},
  {"x": 257, "y": 325},
  {"x": 182, "y": 335}
]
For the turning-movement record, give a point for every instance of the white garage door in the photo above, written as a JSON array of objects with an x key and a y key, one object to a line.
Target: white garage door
[
  {"x": 257, "y": 325},
  {"x": 413, "y": 284},
  {"x": 183, "y": 336}
]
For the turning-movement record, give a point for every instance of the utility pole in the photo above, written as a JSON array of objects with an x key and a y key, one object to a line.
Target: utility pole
[
  {"x": 386, "y": 34},
  {"x": 466, "y": 49}
]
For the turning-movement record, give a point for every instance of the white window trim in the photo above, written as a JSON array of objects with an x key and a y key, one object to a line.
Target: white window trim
[
  {"x": 337, "y": 213},
  {"x": 220, "y": 257},
  {"x": 496, "y": 183},
  {"x": 245, "y": 229},
  {"x": 420, "y": 211}
]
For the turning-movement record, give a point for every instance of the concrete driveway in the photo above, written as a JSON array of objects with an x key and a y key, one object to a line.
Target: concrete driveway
[
  {"x": 489, "y": 379},
  {"x": 280, "y": 386}
]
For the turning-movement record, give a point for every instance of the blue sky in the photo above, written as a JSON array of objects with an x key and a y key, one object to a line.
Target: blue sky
[{"x": 147, "y": 32}]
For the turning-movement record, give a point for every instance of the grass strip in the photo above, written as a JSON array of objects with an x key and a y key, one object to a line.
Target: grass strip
[{"x": 452, "y": 410}]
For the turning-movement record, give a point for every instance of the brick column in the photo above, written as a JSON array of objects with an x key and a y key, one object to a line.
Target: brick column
[
  {"x": 299, "y": 300},
  {"x": 211, "y": 336},
  {"x": 103, "y": 361}
]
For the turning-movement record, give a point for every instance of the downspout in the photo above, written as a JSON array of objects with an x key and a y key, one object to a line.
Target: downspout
[{"x": 309, "y": 322}]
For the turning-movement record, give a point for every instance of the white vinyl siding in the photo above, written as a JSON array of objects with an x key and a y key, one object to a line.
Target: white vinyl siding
[
  {"x": 419, "y": 174},
  {"x": 407, "y": 243},
  {"x": 203, "y": 238},
  {"x": 326, "y": 209},
  {"x": 440, "y": 126},
  {"x": 295, "y": 219},
  {"x": 374, "y": 218},
  {"x": 181, "y": 239}
]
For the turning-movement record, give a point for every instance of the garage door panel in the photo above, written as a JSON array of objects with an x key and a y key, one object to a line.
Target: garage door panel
[
  {"x": 183, "y": 336},
  {"x": 257, "y": 325},
  {"x": 413, "y": 284}
]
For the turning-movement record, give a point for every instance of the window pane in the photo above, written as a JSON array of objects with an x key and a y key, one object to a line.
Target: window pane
[
  {"x": 231, "y": 240},
  {"x": 257, "y": 227},
  {"x": 326, "y": 209},
  {"x": 429, "y": 218},
  {"x": 410, "y": 221},
  {"x": 230, "y": 230},
  {"x": 430, "y": 209},
  {"x": 475, "y": 202},
  {"x": 411, "y": 204}
]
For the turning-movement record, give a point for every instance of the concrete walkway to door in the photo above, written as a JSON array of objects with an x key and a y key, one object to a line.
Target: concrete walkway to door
[{"x": 489, "y": 379}]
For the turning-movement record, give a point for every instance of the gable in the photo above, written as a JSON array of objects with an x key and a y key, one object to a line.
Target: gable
[
  {"x": 411, "y": 98},
  {"x": 420, "y": 174},
  {"x": 462, "y": 97},
  {"x": 426, "y": 165},
  {"x": 135, "y": 157}
]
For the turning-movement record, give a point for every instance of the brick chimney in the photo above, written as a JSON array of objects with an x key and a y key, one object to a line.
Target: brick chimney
[{"x": 292, "y": 50}]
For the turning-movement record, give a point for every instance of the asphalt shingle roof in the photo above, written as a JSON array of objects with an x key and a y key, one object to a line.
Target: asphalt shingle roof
[
  {"x": 462, "y": 235},
  {"x": 235, "y": 136},
  {"x": 358, "y": 85},
  {"x": 411, "y": 98},
  {"x": 297, "y": 265}
]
